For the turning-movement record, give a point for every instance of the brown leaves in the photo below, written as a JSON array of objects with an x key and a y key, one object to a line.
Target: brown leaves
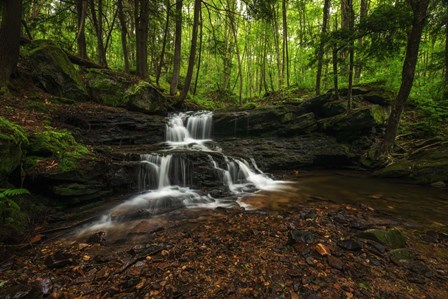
[{"x": 322, "y": 250}]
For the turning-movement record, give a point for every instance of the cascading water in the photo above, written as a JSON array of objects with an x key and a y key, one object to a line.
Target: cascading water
[{"x": 165, "y": 177}]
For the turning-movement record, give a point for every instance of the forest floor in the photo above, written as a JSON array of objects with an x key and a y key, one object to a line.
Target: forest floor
[{"x": 308, "y": 251}]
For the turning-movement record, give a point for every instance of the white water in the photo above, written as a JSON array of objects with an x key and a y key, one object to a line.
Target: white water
[{"x": 164, "y": 177}]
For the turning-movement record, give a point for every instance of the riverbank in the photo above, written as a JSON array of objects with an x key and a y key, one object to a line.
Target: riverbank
[{"x": 309, "y": 246}]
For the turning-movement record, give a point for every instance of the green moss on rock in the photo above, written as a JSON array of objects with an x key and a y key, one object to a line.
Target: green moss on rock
[
  {"x": 56, "y": 145},
  {"x": 12, "y": 140},
  {"x": 108, "y": 87},
  {"x": 146, "y": 98},
  {"x": 53, "y": 70}
]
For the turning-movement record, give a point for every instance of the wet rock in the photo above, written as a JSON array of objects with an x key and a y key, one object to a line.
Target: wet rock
[
  {"x": 21, "y": 291},
  {"x": 349, "y": 245},
  {"x": 60, "y": 260},
  {"x": 391, "y": 238},
  {"x": 97, "y": 238},
  {"x": 300, "y": 236},
  {"x": 438, "y": 184},
  {"x": 335, "y": 262},
  {"x": 376, "y": 247}
]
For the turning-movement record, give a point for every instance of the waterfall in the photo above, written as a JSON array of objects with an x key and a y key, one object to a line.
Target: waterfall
[{"x": 165, "y": 177}]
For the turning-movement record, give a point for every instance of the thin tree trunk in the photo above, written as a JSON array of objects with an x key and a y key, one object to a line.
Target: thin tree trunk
[
  {"x": 124, "y": 32},
  {"x": 419, "y": 8},
  {"x": 446, "y": 61},
  {"x": 335, "y": 72},
  {"x": 285, "y": 44},
  {"x": 351, "y": 24},
  {"x": 320, "y": 53},
  {"x": 277, "y": 49},
  {"x": 81, "y": 8},
  {"x": 194, "y": 40},
  {"x": 177, "y": 48},
  {"x": 165, "y": 37},
  {"x": 362, "y": 15},
  {"x": 142, "y": 13},
  {"x": 240, "y": 68},
  {"x": 98, "y": 25},
  {"x": 200, "y": 53},
  {"x": 9, "y": 38}
]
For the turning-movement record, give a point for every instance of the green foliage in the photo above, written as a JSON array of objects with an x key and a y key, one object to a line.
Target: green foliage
[
  {"x": 59, "y": 145},
  {"x": 12, "y": 132},
  {"x": 11, "y": 215}
]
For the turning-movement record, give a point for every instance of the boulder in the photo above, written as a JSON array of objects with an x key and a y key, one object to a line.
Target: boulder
[
  {"x": 351, "y": 126},
  {"x": 13, "y": 140},
  {"x": 108, "y": 87},
  {"x": 391, "y": 238},
  {"x": 424, "y": 167},
  {"x": 53, "y": 71},
  {"x": 324, "y": 106},
  {"x": 146, "y": 98}
]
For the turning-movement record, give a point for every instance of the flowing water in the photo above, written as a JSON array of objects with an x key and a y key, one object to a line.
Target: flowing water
[{"x": 165, "y": 177}]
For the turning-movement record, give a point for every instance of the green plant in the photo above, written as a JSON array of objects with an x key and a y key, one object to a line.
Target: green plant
[{"x": 11, "y": 215}]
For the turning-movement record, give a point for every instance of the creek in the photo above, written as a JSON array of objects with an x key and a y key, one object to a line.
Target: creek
[{"x": 168, "y": 180}]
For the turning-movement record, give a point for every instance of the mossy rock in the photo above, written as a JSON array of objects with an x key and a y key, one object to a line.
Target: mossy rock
[
  {"x": 53, "y": 70},
  {"x": 12, "y": 141},
  {"x": 58, "y": 145},
  {"x": 108, "y": 87},
  {"x": 357, "y": 123},
  {"x": 146, "y": 98},
  {"x": 391, "y": 238}
]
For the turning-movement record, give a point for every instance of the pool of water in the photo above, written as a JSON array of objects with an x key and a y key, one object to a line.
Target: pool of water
[{"x": 412, "y": 203}]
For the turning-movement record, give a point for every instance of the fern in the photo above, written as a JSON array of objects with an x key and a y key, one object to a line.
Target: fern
[{"x": 13, "y": 192}]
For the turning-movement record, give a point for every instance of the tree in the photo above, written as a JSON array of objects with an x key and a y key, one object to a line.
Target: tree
[
  {"x": 97, "y": 19},
  {"x": 141, "y": 14},
  {"x": 348, "y": 23},
  {"x": 419, "y": 9},
  {"x": 177, "y": 48},
  {"x": 81, "y": 8},
  {"x": 320, "y": 53},
  {"x": 124, "y": 33},
  {"x": 9, "y": 38},
  {"x": 285, "y": 44},
  {"x": 191, "y": 59}
]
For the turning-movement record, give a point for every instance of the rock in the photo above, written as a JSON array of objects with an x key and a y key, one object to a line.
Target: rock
[
  {"x": 21, "y": 291},
  {"x": 108, "y": 87},
  {"x": 423, "y": 167},
  {"x": 335, "y": 262},
  {"x": 360, "y": 122},
  {"x": 391, "y": 238},
  {"x": 13, "y": 140},
  {"x": 382, "y": 98},
  {"x": 349, "y": 245},
  {"x": 400, "y": 256},
  {"x": 146, "y": 98},
  {"x": 438, "y": 184},
  {"x": 53, "y": 70},
  {"x": 60, "y": 260},
  {"x": 300, "y": 236}
]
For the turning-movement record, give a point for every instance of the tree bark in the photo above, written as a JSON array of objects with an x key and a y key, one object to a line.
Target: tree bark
[
  {"x": 419, "y": 8},
  {"x": 362, "y": 15},
  {"x": 81, "y": 8},
  {"x": 200, "y": 53},
  {"x": 141, "y": 21},
  {"x": 165, "y": 37},
  {"x": 445, "y": 93},
  {"x": 98, "y": 25},
  {"x": 177, "y": 48},
  {"x": 124, "y": 32},
  {"x": 194, "y": 40},
  {"x": 9, "y": 38},
  {"x": 320, "y": 53},
  {"x": 285, "y": 44}
]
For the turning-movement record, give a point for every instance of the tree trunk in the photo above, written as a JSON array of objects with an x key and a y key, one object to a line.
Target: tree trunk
[
  {"x": 9, "y": 38},
  {"x": 446, "y": 61},
  {"x": 285, "y": 44},
  {"x": 200, "y": 53},
  {"x": 238, "y": 55},
  {"x": 194, "y": 40},
  {"x": 320, "y": 53},
  {"x": 177, "y": 48},
  {"x": 351, "y": 26},
  {"x": 124, "y": 32},
  {"x": 98, "y": 26},
  {"x": 141, "y": 23},
  {"x": 419, "y": 8},
  {"x": 165, "y": 37},
  {"x": 81, "y": 8},
  {"x": 362, "y": 15}
]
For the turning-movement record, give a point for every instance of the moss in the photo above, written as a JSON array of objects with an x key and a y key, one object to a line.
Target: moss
[
  {"x": 59, "y": 145},
  {"x": 145, "y": 97},
  {"x": 12, "y": 140},
  {"x": 107, "y": 87}
]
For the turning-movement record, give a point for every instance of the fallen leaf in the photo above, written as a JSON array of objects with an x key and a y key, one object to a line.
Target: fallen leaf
[{"x": 322, "y": 250}]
